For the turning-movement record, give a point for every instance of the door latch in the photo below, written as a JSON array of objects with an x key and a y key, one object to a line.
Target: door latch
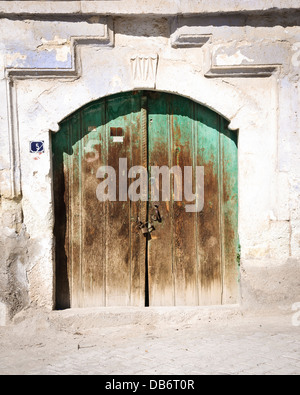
[
  {"x": 145, "y": 227},
  {"x": 148, "y": 227},
  {"x": 156, "y": 216}
]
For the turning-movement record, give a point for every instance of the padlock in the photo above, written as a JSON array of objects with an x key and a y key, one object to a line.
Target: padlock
[{"x": 145, "y": 229}]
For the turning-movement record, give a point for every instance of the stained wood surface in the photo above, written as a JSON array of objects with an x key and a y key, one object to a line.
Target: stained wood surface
[{"x": 192, "y": 257}]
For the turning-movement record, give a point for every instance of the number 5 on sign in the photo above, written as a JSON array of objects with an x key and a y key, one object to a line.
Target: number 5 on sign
[{"x": 36, "y": 147}]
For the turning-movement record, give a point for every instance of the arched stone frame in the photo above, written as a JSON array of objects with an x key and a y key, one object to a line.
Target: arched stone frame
[{"x": 43, "y": 102}]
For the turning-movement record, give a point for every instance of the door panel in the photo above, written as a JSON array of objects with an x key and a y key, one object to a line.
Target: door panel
[
  {"x": 160, "y": 247},
  {"x": 123, "y": 247},
  {"x": 229, "y": 204},
  {"x": 93, "y": 226},
  {"x": 208, "y": 220},
  {"x": 172, "y": 253},
  {"x": 74, "y": 227},
  {"x": 100, "y": 252},
  {"x": 102, "y": 262},
  {"x": 184, "y": 223},
  {"x": 186, "y": 250}
]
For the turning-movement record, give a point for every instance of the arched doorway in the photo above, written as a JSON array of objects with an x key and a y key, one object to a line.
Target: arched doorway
[{"x": 107, "y": 252}]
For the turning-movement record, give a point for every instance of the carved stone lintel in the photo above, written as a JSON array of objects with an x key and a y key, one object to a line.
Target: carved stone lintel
[
  {"x": 144, "y": 69},
  {"x": 190, "y": 40},
  {"x": 183, "y": 35},
  {"x": 242, "y": 71}
]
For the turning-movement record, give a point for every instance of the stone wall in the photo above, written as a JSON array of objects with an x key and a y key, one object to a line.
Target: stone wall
[{"x": 241, "y": 61}]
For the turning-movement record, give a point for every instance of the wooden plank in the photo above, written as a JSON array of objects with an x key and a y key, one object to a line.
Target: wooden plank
[
  {"x": 230, "y": 239},
  {"x": 121, "y": 113},
  {"x": 208, "y": 223},
  {"x": 138, "y": 242},
  {"x": 184, "y": 223},
  {"x": 160, "y": 252},
  {"x": 93, "y": 211},
  {"x": 117, "y": 237},
  {"x": 74, "y": 215}
]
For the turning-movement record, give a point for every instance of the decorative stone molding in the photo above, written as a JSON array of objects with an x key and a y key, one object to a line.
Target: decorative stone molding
[
  {"x": 191, "y": 32},
  {"x": 144, "y": 70},
  {"x": 144, "y": 7},
  {"x": 180, "y": 38},
  {"x": 190, "y": 40},
  {"x": 107, "y": 40},
  {"x": 22, "y": 73},
  {"x": 13, "y": 135},
  {"x": 242, "y": 71},
  {"x": 244, "y": 61}
]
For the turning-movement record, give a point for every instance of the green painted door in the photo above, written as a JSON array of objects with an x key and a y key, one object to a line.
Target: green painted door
[{"x": 102, "y": 256}]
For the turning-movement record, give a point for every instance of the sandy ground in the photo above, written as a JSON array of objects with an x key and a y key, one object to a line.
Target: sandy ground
[{"x": 153, "y": 341}]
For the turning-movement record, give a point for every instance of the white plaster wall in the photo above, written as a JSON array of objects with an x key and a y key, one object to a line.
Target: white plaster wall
[
  {"x": 264, "y": 110},
  {"x": 145, "y": 7},
  {"x": 3, "y": 314}
]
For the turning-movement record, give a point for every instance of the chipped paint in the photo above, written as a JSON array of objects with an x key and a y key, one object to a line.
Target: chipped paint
[
  {"x": 237, "y": 59},
  {"x": 16, "y": 59},
  {"x": 60, "y": 45}
]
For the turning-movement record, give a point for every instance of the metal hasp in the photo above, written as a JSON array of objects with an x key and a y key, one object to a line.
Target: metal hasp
[
  {"x": 148, "y": 227},
  {"x": 156, "y": 216},
  {"x": 145, "y": 227}
]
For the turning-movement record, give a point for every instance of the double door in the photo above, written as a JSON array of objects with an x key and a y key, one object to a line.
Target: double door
[{"x": 145, "y": 187}]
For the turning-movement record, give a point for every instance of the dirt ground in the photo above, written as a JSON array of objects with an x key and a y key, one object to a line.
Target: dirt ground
[{"x": 153, "y": 341}]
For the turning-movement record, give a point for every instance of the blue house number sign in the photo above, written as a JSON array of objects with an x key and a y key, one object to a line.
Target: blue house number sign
[{"x": 37, "y": 147}]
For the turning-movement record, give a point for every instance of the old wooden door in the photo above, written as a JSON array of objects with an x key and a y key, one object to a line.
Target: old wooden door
[
  {"x": 192, "y": 256},
  {"x": 102, "y": 257}
]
